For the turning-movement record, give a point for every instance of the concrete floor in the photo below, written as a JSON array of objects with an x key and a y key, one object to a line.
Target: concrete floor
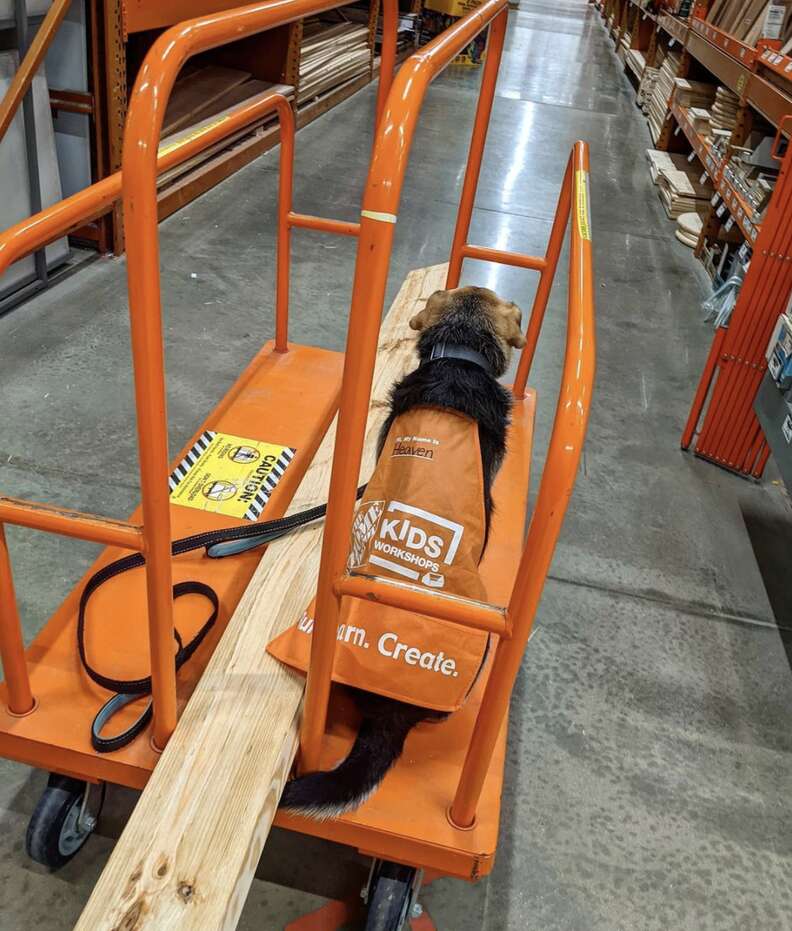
[{"x": 647, "y": 784}]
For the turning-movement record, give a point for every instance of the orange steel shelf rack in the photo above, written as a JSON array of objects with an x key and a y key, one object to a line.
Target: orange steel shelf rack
[
  {"x": 736, "y": 204},
  {"x": 451, "y": 823},
  {"x": 721, "y": 426},
  {"x": 728, "y": 433}
]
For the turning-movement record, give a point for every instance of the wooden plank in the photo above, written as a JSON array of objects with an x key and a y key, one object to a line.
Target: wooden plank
[
  {"x": 193, "y": 93},
  {"x": 715, "y": 11},
  {"x": 206, "y": 175},
  {"x": 30, "y": 63},
  {"x": 229, "y": 104},
  {"x": 188, "y": 854},
  {"x": 751, "y": 18}
]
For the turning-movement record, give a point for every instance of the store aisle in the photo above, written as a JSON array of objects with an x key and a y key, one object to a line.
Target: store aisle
[{"x": 650, "y": 737}]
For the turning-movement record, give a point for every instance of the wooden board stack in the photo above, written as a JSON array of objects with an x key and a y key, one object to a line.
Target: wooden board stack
[
  {"x": 681, "y": 190},
  {"x": 724, "y": 110},
  {"x": 659, "y": 160},
  {"x": 645, "y": 87},
  {"x": 331, "y": 54},
  {"x": 202, "y": 97},
  {"x": 636, "y": 62},
  {"x": 744, "y": 19},
  {"x": 199, "y": 89},
  {"x": 700, "y": 120},
  {"x": 624, "y": 46},
  {"x": 661, "y": 92},
  {"x": 689, "y": 227},
  {"x": 694, "y": 93}
]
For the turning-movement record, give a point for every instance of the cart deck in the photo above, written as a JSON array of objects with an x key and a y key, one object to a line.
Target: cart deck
[
  {"x": 266, "y": 403},
  {"x": 407, "y": 817}
]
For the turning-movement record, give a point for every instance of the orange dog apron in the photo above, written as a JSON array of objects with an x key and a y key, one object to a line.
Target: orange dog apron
[{"x": 421, "y": 521}]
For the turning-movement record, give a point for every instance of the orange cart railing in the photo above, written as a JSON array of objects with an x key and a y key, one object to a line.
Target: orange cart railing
[
  {"x": 136, "y": 184},
  {"x": 378, "y": 219}
]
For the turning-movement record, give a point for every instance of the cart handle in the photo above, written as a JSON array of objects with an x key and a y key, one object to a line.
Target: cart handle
[
  {"x": 555, "y": 490},
  {"x": 49, "y": 224},
  {"x": 392, "y": 144},
  {"x": 136, "y": 183}
]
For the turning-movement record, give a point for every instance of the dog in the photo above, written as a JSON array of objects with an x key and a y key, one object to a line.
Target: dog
[{"x": 465, "y": 343}]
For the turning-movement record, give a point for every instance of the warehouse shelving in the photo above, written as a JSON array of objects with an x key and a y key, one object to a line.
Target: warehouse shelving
[
  {"x": 722, "y": 426},
  {"x": 119, "y": 34}
]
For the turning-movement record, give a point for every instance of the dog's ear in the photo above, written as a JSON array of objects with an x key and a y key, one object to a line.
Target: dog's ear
[
  {"x": 508, "y": 317},
  {"x": 435, "y": 307}
]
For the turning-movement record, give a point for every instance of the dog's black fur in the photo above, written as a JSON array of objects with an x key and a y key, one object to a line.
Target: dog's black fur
[{"x": 462, "y": 317}]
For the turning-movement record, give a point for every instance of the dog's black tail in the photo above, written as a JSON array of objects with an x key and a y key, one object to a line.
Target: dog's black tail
[{"x": 378, "y": 745}]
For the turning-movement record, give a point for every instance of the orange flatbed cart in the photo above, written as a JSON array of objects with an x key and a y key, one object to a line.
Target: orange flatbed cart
[{"x": 439, "y": 807}]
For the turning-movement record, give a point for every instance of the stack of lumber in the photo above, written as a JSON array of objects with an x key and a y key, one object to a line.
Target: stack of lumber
[
  {"x": 745, "y": 20},
  {"x": 636, "y": 62},
  {"x": 203, "y": 96},
  {"x": 407, "y": 29},
  {"x": 694, "y": 93},
  {"x": 681, "y": 190},
  {"x": 659, "y": 160},
  {"x": 724, "y": 110},
  {"x": 645, "y": 87},
  {"x": 700, "y": 120},
  {"x": 331, "y": 54},
  {"x": 661, "y": 91},
  {"x": 624, "y": 46},
  {"x": 689, "y": 227},
  {"x": 199, "y": 92}
]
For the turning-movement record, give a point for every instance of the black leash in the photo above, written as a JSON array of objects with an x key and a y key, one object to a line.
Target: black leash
[{"x": 218, "y": 544}]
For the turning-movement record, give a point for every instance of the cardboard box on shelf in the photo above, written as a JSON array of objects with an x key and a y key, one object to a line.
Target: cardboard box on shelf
[{"x": 452, "y": 7}]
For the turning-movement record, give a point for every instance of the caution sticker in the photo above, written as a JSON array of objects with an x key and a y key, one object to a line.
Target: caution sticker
[
  {"x": 582, "y": 203},
  {"x": 229, "y": 475}
]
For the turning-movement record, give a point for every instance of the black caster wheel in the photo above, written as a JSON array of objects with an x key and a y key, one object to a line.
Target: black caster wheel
[
  {"x": 392, "y": 892},
  {"x": 63, "y": 820}
]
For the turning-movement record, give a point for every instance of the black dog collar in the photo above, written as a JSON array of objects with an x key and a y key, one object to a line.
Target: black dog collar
[{"x": 452, "y": 351}]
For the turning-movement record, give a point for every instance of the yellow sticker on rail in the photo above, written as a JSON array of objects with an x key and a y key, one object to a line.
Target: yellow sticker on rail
[
  {"x": 582, "y": 209},
  {"x": 183, "y": 140},
  {"x": 231, "y": 475}
]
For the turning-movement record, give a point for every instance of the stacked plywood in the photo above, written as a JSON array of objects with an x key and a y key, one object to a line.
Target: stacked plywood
[
  {"x": 700, "y": 120},
  {"x": 689, "y": 228},
  {"x": 681, "y": 191},
  {"x": 331, "y": 54},
  {"x": 694, "y": 93},
  {"x": 624, "y": 46},
  {"x": 661, "y": 91},
  {"x": 659, "y": 161},
  {"x": 645, "y": 87},
  {"x": 636, "y": 62},
  {"x": 724, "y": 110}
]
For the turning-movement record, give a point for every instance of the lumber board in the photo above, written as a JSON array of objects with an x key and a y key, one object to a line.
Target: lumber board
[
  {"x": 193, "y": 93},
  {"x": 189, "y": 851},
  {"x": 231, "y": 103},
  {"x": 715, "y": 11}
]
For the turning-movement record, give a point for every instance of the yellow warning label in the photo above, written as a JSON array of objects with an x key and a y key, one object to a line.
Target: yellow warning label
[
  {"x": 182, "y": 140},
  {"x": 228, "y": 474},
  {"x": 582, "y": 203}
]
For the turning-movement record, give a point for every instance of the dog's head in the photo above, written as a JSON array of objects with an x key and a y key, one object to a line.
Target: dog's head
[{"x": 476, "y": 310}]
